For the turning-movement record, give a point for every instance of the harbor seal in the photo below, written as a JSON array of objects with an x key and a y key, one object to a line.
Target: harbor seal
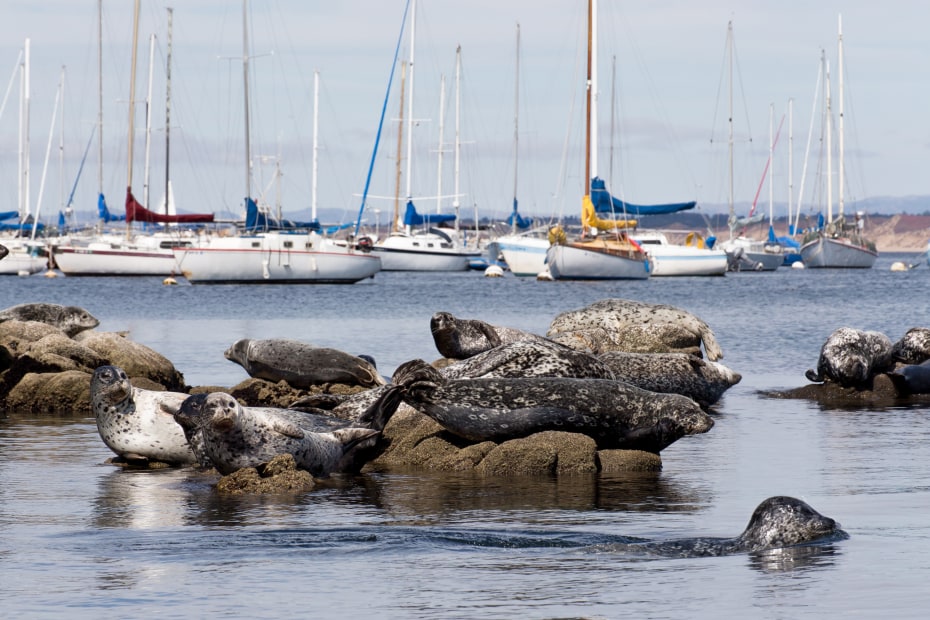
[
  {"x": 72, "y": 320},
  {"x": 462, "y": 338},
  {"x": 235, "y": 437},
  {"x": 300, "y": 364},
  {"x": 638, "y": 327},
  {"x": 138, "y": 424},
  {"x": 613, "y": 413},
  {"x": 912, "y": 378},
  {"x": 673, "y": 373},
  {"x": 529, "y": 358},
  {"x": 913, "y": 347},
  {"x": 776, "y": 523},
  {"x": 850, "y": 357}
]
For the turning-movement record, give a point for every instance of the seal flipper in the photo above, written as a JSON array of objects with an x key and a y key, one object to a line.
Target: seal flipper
[
  {"x": 813, "y": 376},
  {"x": 313, "y": 402},
  {"x": 353, "y": 436},
  {"x": 379, "y": 412},
  {"x": 287, "y": 429}
]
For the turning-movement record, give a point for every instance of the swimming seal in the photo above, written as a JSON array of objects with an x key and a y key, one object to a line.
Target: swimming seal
[
  {"x": 913, "y": 347},
  {"x": 529, "y": 358},
  {"x": 300, "y": 364},
  {"x": 638, "y": 327},
  {"x": 851, "y": 357},
  {"x": 235, "y": 437},
  {"x": 69, "y": 319},
  {"x": 673, "y": 373},
  {"x": 777, "y": 523},
  {"x": 462, "y": 338},
  {"x": 137, "y": 424},
  {"x": 613, "y": 413}
]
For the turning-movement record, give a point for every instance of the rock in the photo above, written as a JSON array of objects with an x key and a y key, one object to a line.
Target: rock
[
  {"x": 136, "y": 359},
  {"x": 612, "y": 461},
  {"x": 52, "y": 393},
  {"x": 880, "y": 391},
  {"x": 279, "y": 475},
  {"x": 549, "y": 452}
]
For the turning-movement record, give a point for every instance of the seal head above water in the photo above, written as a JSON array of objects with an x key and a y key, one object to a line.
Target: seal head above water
[{"x": 72, "y": 320}]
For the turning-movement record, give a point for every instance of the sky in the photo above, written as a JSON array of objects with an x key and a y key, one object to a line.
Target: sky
[{"x": 662, "y": 92}]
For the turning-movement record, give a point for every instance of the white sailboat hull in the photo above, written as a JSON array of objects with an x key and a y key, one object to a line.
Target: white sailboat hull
[
  {"x": 114, "y": 255},
  {"x": 305, "y": 258},
  {"x": 525, "y": 256},
  {"x": 568, "y": 262},
  {"x": 840, "y": 252},
  {"x": 671, "y": 259},
  {"x": 765, "y": 256},
  {"x": 423, "y": 252},
  {"x": 21, "y": 260}
]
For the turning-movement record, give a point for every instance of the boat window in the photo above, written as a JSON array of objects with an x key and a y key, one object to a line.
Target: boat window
[
  {"x": 309, "y": 246},
  {"x": 429, "y": 245},
  {"x": 288, "y": 244},
  {"x": 416, "y": 244},
  {"x": 445, "y": 245},
  {"x": 255, "y": 244}
]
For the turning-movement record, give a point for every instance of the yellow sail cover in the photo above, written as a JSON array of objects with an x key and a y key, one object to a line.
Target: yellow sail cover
[{"x": 589, "y": 218}]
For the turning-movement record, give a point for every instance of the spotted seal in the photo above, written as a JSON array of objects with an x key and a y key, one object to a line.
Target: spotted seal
[
  {"x": 613, "y": 413},
  {"x": 851, "y": 357},
  {"x": 300, "y": 364},
  {"x": 529, "y": 358},
  {"x": 137, "y": 424},
  {"x": 462, "y": 338},
  {"x": 777, "y": 523},
  {"x": 913, "y": 347},
  {"x": 638, "y": 327},
  {"x": 72, "y": 320},
  {"x": 235, "y": 437},
  {"x": 673, "y": 373}
]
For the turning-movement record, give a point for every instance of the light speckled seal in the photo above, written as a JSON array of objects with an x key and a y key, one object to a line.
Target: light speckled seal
[
  {"x": 235, "y": 437},
  {"x": 462, "y": 338},
  {"x": 137, "y": 424},
  {"x": 777, "y": 523},
  {"x": 529, "y": 358},
  {"x": 637, "y": 327},
  {"x": 613, "y": 413},
  {"x": 851, "y": 357},
  {"x": 913, "y": 347},
  {"x": 71, "y": 320},
  {"x": 301, "y": 364},
  {"x": 673, "y": 373}
]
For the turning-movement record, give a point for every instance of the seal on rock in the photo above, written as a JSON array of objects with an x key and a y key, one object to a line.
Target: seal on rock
[
  {"x": 613, "y": 413},
  {"x": 72, "y": 320},
  {"x": 138, "y": 424},
  {"x": 850, "y": 357},
  {"x": 777, "y": 523},
  {"x": 639, "y": 327},
  {"x": 913, "y": 347},
  {"x": 300, "y": 364},
  {"x": 529, "y": 358},
  {"x": 235, "y": 437},
  {"x": 673, "y": 373},
  {"x": 912, "y": 378},
  {"x": 462, "y": 338}
]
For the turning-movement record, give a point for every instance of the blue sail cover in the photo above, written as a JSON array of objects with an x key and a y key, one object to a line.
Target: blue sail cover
[
  {"x": 605, "y": 203},
  {"x": 105, "y": 214},
  {"x": 517, "y": 220},
  {"x": 412, "y": 218},
  {"x": 25, "y": 226},
  {"x": 256, "y": 221},
  {"x": 8, "y": 215}
]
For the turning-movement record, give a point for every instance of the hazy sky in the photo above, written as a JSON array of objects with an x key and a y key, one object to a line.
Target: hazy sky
[{"x": 669, "y": 139}]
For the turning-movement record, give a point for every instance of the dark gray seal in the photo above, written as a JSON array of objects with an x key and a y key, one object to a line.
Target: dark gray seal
[
  {"x": 851, "y": 357},
  {"x": 673, "y": 373},
  {"x": 912, "y": 378},
  {"x": 138, "y": 424},
  {"x": 777, "y": 523},
  {"x": 637, "y": 327},
  {"x": 913, "y": 347},
  {"x": 300, "y": 364},
  {"x": 71, "y": 320},
  {"x": 613, "y": 413},
  {"x": 529, "y": 358},
  {"x": 462, "y": 338},
  {"x": 235, "y": 437}
]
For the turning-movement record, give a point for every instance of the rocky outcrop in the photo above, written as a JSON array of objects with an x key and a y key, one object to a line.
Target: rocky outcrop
[{"x": 279, "y": 475}]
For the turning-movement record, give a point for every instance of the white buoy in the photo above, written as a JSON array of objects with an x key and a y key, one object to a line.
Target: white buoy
[
  {"x": 544, "y": 275},
  {"x": 50, "y": 274},
  {"x": 169, "y": 281},
  {"x": 494, "y": 271},
  {"x": 797, "y": 265},
  {"x": 898, "y": 266}
]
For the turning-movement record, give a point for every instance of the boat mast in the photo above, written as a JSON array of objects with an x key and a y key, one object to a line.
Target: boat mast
[
  {"x": 458, "y": 140},
  {"x": 730, "y": 195},
  {"x": 516, "y": 130},
  {"x": 100, "y": 97},
  {"x": 148, "y": 123},
  {"x": 316, "y": 127},
  {"x": 829, "y": 121},
  {"x": 771, "y": 165},
  {"x": 168, "y": 117},
  {"x": 24, "y": 156},
  {"x": 790, "y": 230},
  {"x": 395, "y": 226},
  {"x": 132, "y": 97},
  {"x": 413, "y": 30},
  {"x": 841, "y": 146},
  {"x": 590, "y": 162},
  {"x": 245, "y": 90},
  {"x": 442, "y": 116}
]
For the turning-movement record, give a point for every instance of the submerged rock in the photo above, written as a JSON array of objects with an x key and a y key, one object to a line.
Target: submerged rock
[{"x": 279, "y": 475}]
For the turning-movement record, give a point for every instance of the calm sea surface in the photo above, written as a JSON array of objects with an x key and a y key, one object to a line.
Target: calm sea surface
[{"x": 83, "y": 539}]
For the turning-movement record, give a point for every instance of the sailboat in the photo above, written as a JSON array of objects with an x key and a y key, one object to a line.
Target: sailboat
[
  {"x": 418, "y": 243},
  {"x": 838, "y": 243},
  {"x": 132, "y": 252},
  {"x": 273, "y": 251},
  {"x": 605, "y": 250}
]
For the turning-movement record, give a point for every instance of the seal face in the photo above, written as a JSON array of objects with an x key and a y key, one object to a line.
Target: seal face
[
  {"x": 913, "y": 347},
  {"x": 72, "y": 320},
  {"x": 235, "y": 437},
  {"x": 851, "y": 357},
  {"x": 777, "y": 523},
  {"x": 462, "y": 338},
  {"x": 613, "y": 413},
  {"x": 137, "y": 424},
  {"x": 637, "y": 327},
  {"x": 529, "y": 358},
  {"x": 300, "y": 364},
  {"x": 673, "y": 373}
]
